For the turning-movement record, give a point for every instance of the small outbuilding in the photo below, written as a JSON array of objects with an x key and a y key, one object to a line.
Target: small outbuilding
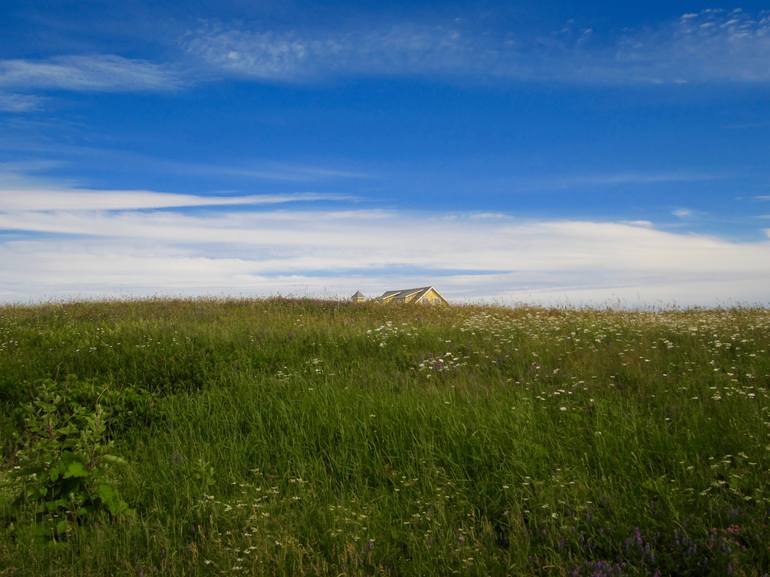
[
  {"x": 358, "y": 297},
  {"x": 424, "y": 295}
]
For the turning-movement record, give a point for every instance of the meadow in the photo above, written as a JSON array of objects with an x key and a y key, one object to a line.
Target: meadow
[{"x": 302, "y": 437}]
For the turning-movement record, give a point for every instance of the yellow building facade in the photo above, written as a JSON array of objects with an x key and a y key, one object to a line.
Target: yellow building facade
[{"x": 423, "y": 295}]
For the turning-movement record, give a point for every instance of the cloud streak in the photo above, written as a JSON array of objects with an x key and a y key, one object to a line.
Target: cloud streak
[
  {"x": 254, "y": 169},
  {"x": 10, "y": 102},
  {"x": 289, "y": 56},
  {"x": 19, "y": 200},
  {"x": 613, "y": 179},
  {"x": 92, "y": 73},
  {"x": 711, "y": 46}
]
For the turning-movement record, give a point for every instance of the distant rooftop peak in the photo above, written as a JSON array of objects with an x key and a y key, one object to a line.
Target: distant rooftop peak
[
  {"x": 426, "y": 294},
  {"x": 407, "y": 291}
]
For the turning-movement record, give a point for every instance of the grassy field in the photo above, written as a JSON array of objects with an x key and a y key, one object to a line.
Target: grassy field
[{"x": 298, "y": 437}]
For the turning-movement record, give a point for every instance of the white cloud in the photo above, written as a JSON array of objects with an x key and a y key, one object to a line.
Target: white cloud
[
  {"x": 335, "y": 252},
  {"x": 10, "y": 102},
  {"x": 25, "y": 187},
  {"x": 613, "y": 179},
  {"x": 289, "y": 56},
  {"x": 15, "y": 201},
  {"x": 712, "y": 46},
  {"x": 682, "y": 213},
  {"x": 94, "y": 73},
  {"x": 254, "y": 169},
  {"x": 644, "y": 223}
]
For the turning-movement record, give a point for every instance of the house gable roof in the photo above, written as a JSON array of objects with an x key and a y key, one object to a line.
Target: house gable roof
[{"x": 404, "y": 293}]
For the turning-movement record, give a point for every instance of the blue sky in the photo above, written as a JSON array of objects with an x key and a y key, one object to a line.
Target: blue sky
[{"x": 583, "y": 152}]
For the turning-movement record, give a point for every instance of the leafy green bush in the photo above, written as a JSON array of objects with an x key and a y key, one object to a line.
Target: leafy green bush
[{"x": 66, "y": 462}]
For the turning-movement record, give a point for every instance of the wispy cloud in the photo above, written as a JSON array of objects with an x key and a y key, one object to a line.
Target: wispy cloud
[
  {"x": 10, "y": 102},
  {"x": 93, "y": 73},
  {"x": 611, "y": 179},
  {"x": 711, "y": 46},
  {"x": 23, "y": 189},
  {"x": 290, "y": 56},
  {"x": 100, "y": 200},
  {"x": 235, "y": 170},
  {"x": 707, "y": 47},
  {"x": 275, "y": 171},
  {"x": 682, "y": 213},
  {"x": 247, "y": 169}
]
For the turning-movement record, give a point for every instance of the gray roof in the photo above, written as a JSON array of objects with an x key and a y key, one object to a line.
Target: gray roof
[
  {"x": 357, "y": 294},
  {"x": 404, "y": 292}
]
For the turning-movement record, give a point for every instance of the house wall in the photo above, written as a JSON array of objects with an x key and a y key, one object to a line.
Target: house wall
[{"x": 431, "y": 297}]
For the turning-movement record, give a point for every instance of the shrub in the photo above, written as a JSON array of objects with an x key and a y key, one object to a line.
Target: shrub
[{"x": 66, "y": 461}]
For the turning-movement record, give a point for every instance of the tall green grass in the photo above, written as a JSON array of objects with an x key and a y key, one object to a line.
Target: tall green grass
[{"x": 299, "y": 437}]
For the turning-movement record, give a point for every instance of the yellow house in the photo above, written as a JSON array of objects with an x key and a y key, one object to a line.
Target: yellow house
[
  {"x": 425, "y": 295},
  {"x": 358, "y": 297}
]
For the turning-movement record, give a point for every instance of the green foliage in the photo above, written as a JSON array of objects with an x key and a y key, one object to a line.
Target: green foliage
[
  {"x": 64, "y": 467},
  {"x": 203, "y": 475},
  {"x": 298, "y": 437}
]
